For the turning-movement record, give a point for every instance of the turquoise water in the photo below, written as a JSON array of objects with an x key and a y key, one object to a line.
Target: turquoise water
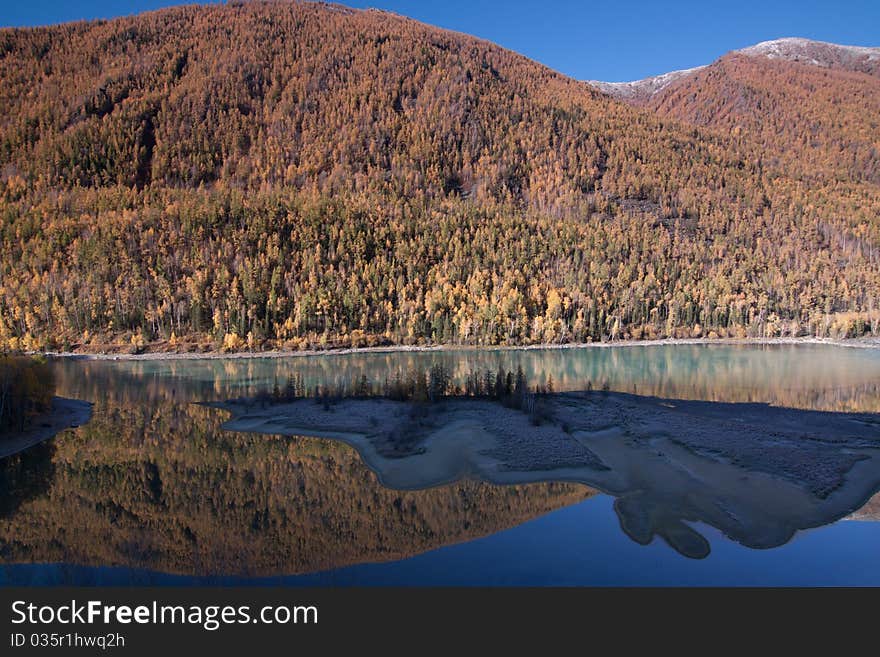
[
  {"x": 812, "y": 376},
  {"x": 152, "y": 490}
]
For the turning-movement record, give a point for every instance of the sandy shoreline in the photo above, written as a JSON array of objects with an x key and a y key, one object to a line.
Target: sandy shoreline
[
  {"x": 65, "y": 414},
  {"x": 856, "y": 343},
  {"x": 756, "y": 472}
]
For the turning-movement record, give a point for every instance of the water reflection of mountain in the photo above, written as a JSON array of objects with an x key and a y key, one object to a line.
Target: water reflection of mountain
[
  {"x": 161, "y": 487},
  {"x": 818, "y": 377},
  {"x": 152, "y": 482}
]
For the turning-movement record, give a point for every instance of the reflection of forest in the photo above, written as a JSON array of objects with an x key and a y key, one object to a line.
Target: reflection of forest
[
  {"x": 152, "y": 482},
  {"x": 161, "y": 487},
  {"x": 818, "y": 377}
]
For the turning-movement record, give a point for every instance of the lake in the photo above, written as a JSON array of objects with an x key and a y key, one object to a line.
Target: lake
[{"x": 153, "y": 490}]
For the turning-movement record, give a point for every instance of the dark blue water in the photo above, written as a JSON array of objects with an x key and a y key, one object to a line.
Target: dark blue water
[{"x": 581, "y": 545}]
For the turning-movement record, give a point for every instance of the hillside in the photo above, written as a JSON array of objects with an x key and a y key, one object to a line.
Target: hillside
[
  {"x": 640, "y": 92},
  {"x": 815, "y": 105},
  {"x": 818, "y": 121},
  {"x": 855, "y": 59},
  {"x": 302, "y": 175}
]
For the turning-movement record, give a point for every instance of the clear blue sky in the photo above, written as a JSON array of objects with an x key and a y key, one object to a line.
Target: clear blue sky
[{"x": 606, "y": 40}]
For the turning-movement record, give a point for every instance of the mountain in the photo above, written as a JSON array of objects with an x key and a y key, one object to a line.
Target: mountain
[
  {"x": 303, "y": 95},
  {"x": 856, "y": 59},
  {"x": 812, "y": 104},
  {"x": 639, "y": 92},
  {"x": 296, "y": 175}
]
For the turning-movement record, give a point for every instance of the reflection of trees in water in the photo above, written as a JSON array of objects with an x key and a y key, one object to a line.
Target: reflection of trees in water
[
  {"x": 152, "y": 482},
  {"x": 801, "y": 376},
  {"x": 25, "y": 476},
  {"x": 161, "y": 487}
]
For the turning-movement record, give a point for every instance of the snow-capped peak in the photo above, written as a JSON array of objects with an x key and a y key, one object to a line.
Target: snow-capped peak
[
  {"x": 642, "y": 89},
  {"x": 795, "y": 49},
  {"x": 818, "y": 53}
]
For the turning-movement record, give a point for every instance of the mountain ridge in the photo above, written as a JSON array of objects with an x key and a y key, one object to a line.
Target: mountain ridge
[
  {"x": 798, "y": 49},
  {"x": 277, "y": 175}
]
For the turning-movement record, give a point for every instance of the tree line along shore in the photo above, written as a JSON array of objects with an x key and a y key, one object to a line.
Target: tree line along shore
[{"x": 27, "y": 387}]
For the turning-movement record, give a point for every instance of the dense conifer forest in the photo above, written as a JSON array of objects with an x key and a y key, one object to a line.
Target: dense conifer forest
[{"x": 286, "y": 175}]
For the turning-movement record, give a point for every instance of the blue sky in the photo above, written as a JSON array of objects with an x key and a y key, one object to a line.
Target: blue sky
[{"x": 607, "y": 40}]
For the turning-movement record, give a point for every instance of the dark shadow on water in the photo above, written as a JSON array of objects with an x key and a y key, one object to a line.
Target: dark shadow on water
[{"x": 25, "y": 476}]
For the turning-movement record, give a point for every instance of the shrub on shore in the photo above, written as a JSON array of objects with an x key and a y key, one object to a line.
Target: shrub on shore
[{"x": 26, "y": 389}]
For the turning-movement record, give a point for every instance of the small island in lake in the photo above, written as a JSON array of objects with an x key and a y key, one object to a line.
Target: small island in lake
[{"x": 756, "y": 472}]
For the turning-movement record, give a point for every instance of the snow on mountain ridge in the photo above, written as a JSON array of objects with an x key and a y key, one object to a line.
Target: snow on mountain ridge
[
  {"x": 819, "y": 53},
  {"x": 805, "y": 51},
  {"x": 647, "y": 87}
]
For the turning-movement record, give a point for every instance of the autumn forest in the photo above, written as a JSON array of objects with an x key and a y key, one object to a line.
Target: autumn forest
[{"x": 275, "y": 175}]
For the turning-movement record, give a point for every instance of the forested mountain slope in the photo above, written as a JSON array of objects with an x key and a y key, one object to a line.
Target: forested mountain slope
[
  {"x": 821, "y": 122},
  {"x": 294, "y": 175}
]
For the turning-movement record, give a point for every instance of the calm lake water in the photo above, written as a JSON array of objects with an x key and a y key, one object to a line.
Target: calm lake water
[{"x": 153, "y": 491}]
